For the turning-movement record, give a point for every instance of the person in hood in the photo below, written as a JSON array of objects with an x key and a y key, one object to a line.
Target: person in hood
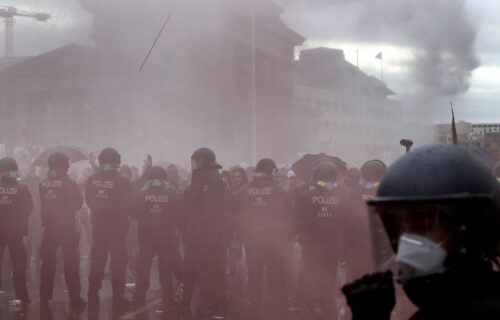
[{"x": 238, "y": 178}]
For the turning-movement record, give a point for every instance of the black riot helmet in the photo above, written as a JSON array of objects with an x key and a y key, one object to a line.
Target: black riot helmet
[
  {"x": 373, "y": 170},
  {"x": 325, "y": 171},
  {"x": 442, "y": 189},
  {"x": 157, "y": 173},
  {"x": 9, "y": 168},
  {"x": 267, "y": 167},
  {"x": 109, "y": 156},
  {"x": 204, "y": 157},
  {"x": 58, "y": 161}
]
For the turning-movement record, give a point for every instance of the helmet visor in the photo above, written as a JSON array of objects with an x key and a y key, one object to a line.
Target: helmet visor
[{"x": 443, "y": 221}]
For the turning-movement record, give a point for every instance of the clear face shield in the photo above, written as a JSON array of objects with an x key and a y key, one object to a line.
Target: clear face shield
[
  {"x": 422, "y": 238},
  {"x": 194, "y": 165}
]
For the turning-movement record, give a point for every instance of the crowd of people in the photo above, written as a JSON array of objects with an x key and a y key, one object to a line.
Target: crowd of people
[{"x": 231, "y": 234}]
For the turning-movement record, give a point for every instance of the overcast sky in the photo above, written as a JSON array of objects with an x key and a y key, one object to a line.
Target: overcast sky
[{"x": 447, "y": 49}]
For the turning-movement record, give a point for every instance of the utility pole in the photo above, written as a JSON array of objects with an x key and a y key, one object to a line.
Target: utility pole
[
  {"x": 254, "y": 87},
  {"x": 8, "y": 14}
]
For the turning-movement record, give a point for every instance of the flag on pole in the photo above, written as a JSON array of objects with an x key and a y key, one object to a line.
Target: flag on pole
[
  {"x": 379, "y": 56},
  {"x": 454, "y": 135}
]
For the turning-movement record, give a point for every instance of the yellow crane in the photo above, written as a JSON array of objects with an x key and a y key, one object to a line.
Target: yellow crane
[{"x": 8, "y": 14}]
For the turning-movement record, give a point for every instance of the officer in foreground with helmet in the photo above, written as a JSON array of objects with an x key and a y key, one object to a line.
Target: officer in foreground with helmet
[
  {"x": 265, "y": 227},
  {"x": 109, "y": 197},
  {"x": 206, "y": 232},
  {"x": 16, "y": 205},
  {"x": 440, "y": 209},
  {"x": 319, "y": 211},
  {"x": 60, "y": 201},
  {"x": 157, "y": 211}
]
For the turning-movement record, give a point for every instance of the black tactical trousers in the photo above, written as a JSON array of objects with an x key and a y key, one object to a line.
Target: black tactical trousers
[
  {"x": 266, "y": 257},
  {"x": 19, "y": 258},
  {"x": 318, "y": 282},
  {"x": 113, "y": 243},
  {"x": 205, "y": 267},
  {"x": 69, "y": 243},
  {"x": 168, "y": 257}
]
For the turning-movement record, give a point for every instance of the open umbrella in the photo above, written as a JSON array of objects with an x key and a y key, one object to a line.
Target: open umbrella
[
  {"x": 303, "y": 168},
  {"x": 74, "y": 154}
]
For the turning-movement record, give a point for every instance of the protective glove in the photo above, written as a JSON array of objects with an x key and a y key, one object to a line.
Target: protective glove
[{"x": 371, "y": 297}]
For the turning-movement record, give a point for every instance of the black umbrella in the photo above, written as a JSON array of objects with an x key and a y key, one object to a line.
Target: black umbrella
[
  {"x": 74, "y": 154},
  {"x": 303, "y": 168}
]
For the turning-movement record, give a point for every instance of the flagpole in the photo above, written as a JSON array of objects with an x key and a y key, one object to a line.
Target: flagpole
[
  {"x": 380, "y": 56},
  {"x": 454, "y": 135},
  {"x": 381, "y": 68},
  {"x": 357, "y": 81}
]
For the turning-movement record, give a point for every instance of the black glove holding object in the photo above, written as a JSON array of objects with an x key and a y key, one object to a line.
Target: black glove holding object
[{"x": 371, "y": 297}]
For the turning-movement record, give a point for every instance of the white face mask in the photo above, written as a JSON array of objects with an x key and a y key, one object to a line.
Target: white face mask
[{"x": 418, "y": 256}]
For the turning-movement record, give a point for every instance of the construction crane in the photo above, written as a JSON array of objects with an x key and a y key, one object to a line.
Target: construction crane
[{"x": 8, "y": 14}]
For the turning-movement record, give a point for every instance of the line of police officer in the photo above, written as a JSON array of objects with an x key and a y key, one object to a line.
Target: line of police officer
[{"x": 206, "y": 217}]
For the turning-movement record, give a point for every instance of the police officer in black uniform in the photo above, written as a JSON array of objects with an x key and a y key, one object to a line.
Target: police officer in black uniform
[
  {"x": 319, "y": 211},
  {"x": 157, "y": 211},
  {"x": 60, "y": 200},
  {"x": 16, "y": 205},
  {"x": 207, "y": 229},
  {"x": 265, "y": 227},
  {"x": 372, "y": 173},
  {"x": 109, "y": 197},
  {"x": 440, "y": 209}
]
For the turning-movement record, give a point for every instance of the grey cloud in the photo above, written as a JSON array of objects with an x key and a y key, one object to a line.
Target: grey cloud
[{"x": 440, "y": 31}]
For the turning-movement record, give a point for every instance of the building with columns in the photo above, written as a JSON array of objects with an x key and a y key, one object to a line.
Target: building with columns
[{"x": 199, "y": 87}]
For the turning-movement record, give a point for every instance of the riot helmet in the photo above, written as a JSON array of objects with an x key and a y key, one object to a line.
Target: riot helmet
[
  {"x": 202, "y": 158},
  {"x": 9, "y": 168},
  {"x": 58, "y": 161},
  {"x": 439, "y": 208},
  {"x": 373, "y": 171},
  {"x": 158, "y": 173},
  {"x": 266, "y": 168},
  {"x": 109, "y": 159},
  {"x": 325, "y": 174}
]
